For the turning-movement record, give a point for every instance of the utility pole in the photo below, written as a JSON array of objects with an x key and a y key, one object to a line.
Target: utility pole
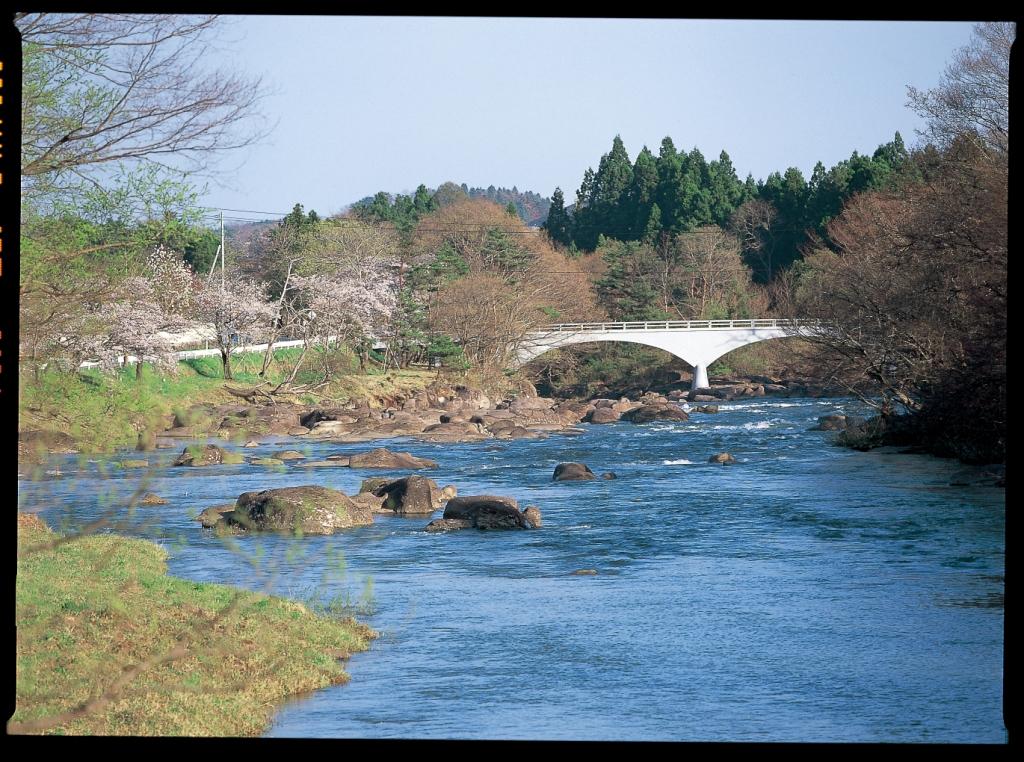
[{"x": 214, "y": 265}]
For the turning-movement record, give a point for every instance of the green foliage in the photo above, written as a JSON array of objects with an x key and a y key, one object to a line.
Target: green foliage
[
  {"x": 200, "y": 250},
  {"x": 446, "y": 266},
  {"x": 628, "y": 290},
  {"x": 404, "y": 212},
  {"x": 677, "y": 192},
  {"x": 450, "y": 354},
  {"x": 502, "y": 253},
  {"x": 559, "y": 223},
  {"x": 102, "y": 410}
]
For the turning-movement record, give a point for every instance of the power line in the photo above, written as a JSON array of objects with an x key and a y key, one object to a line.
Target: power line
[{"x": 436, "y": 227}]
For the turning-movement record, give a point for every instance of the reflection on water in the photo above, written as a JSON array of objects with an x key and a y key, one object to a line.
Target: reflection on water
[{"x": 806, "y": 593}]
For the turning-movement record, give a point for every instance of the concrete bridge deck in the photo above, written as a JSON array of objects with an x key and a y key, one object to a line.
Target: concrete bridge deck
[{"x": 697, "y": 342}]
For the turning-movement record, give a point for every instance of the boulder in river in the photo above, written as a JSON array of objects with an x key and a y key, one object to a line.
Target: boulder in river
[
  {"x": 487, "y": 512},
  {"x": 289, "y": 455},
  {"x": 603, "y": 415},
  {"x": 266, "y": 462},
  {"x": 410, "y": 495},
  {"x": 572, "y": 472},
  {"x": 308, "y": 509},
  {"x": 152, "y": 499},
  {"x": 655, "y": 412},
  {"x": 207, "y": 455},
  {"x": 723, "y": 457},
  {"x": 382, "y": 458},
  {"x": 447, "y": 525},
  {"x": 372, "y": 502},
  {"x": 830, "y": 423},
  {"x": 214, "y": 516}
]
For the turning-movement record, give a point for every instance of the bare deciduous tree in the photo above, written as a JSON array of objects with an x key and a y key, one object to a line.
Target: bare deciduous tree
[
  {"x": 754, "y": 223},
  {"x": 973, "y": 97},
  {"x": 711, "y": 273},
  {"x": 100, "y": 89}
]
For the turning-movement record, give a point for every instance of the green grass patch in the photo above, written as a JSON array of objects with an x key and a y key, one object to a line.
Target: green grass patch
[
  {"x": 104, "y": 411},
  {"x": 97, "y": 620}
]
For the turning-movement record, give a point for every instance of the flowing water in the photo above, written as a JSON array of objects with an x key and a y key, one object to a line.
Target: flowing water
[{"x": 806, "y": 593}]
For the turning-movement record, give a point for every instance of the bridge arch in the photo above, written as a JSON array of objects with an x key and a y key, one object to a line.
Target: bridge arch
[{"x": 697, "y": 342}]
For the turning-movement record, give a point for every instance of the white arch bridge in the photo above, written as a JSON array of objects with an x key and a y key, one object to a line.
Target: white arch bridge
[{"x": 697, "y": 342}]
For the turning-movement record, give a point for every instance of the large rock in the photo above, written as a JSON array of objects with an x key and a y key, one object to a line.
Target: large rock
[
  {"x": 383, "y": 458},
  {"x": 830, "y": 423},
  {"x": 723, "y": 457},
  {"x": 288, "y": 455},
  {"x": 452, "y": 432},
  {"x": 265, "y": 419},
  {"x": 410, "y": 495},
  {"x": 447, "y": 525},
  {"x": 312, "y": 418},
  {"x": 572, "y": 472},
  {"x": 207, "y": 455},
  {"x": 603, "y": 415},
  {"x": 308, "y": 509},
  {"x": 266, "y": 462},
  {"x": 332, "y": 428},
  {"x": 372, "y": 503},
  {"x": 214, "y": 516},
  {"x": 485, "y": 512},
  {"x": 516, "y": 432},
  {"x": 655, "y": 412}
]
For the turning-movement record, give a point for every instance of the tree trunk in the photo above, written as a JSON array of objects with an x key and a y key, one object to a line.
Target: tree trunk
[
  {"x": 268, "y": 355},
  {"x": 295, "y": 368},
  {"x": 225, "y": 358},
  {"x": 138, "y": 371}
]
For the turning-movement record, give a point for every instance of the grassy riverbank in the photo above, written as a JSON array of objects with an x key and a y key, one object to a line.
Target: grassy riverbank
[
  {"x": 108, "y": 644},
  {"x": 104, "y": 411}
]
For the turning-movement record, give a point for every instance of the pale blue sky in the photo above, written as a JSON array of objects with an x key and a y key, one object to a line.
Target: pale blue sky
[{"x": 368, "y": 104}]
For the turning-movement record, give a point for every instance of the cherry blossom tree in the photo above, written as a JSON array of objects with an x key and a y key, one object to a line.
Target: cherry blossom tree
[
  {"x": 236, "y": 311},
  {"x": 138, "y": 325},
  {"x": 353, "y": 305}
]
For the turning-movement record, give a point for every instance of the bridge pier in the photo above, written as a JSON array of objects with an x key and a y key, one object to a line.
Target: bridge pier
[{"x": 700, "y": 377}]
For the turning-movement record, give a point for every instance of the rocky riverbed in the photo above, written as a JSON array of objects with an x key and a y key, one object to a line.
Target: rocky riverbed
[{"x": 444, "y": 413}]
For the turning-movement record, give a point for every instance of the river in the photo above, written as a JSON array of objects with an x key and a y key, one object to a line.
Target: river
[{"x": 806, "y": 593}]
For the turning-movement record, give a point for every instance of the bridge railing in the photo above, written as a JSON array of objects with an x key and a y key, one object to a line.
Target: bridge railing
[{"x": 679, "y": 325}]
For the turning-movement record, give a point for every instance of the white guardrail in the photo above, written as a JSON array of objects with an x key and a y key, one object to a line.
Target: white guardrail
[
  {"x": 678, "y": 325},
  {"x": 189, "y": 354}
]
